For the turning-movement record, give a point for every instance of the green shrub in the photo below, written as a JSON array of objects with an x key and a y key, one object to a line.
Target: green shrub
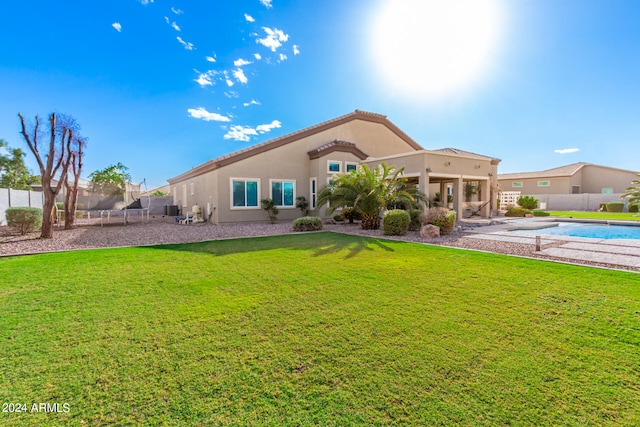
[
  {"x": 615, "y": 207},
  {"x": 338, "y": 218},
  {"x": 443, "y": 218},
  {"x": 416, "y": 219},
  {"x": 307, "y": 223},
  {"x": 303, "y": 205},
  {"x": 540, "y": 213},
  {"x": 518, "y": 212},
  {"x": 350, "y": 214},
  {"x": 24, "y": 219},
  {"x": 527, "y": 202},
  {"x": 270, "y": 207},
  {"x": 396, "y": 222},
  {"x": 632, "y": 208}
]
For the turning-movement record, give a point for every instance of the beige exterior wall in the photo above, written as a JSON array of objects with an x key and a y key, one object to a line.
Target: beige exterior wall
[
  {"x": 530, "y": 186},
  {"x": 596, "y": 178},
  {"x": 591, "y": 179},
  {"x": 200, "y": 190},
  {"x": 288, "y": 162}
]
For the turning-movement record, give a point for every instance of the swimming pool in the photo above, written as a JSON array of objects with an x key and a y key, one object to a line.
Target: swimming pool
[{"x": 588, "y": 230}]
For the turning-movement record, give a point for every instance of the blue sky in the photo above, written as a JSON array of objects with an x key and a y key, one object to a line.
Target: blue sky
[{"x": 165, "y": 85}]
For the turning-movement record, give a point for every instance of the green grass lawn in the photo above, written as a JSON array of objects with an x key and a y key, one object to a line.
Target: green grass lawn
[
  {"x": 317, "y": 329},
  {"x": 619, "y": 216}
]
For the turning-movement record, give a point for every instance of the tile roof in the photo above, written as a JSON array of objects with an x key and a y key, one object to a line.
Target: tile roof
[
  {"x": 458, "y": 152},
  {"x": 566, "y": 170},
  {"x": 337, "y": 145}
]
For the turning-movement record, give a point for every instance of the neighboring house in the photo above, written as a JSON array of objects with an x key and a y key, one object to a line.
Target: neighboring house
[
  {"x": 576, "y": 186},
  {"x": 230, "y": 188}
]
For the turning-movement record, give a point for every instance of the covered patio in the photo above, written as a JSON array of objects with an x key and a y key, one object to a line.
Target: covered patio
[{"x": 451, "y": 172}]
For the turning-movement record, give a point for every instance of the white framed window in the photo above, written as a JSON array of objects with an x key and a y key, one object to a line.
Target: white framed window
[
  {"x": 245, "y": 193},
  {"x": 516, "y": 184},
  {"x": 283, "y": 193},
  {"x": 184, "y": 195},
  {"x": 313, "y": 191},
  {"x": 350, "y": 166},
  {"x": 192, "y": 187},
  {"x": 544, "y": 184},
  {"x": 334, "y": 166}
]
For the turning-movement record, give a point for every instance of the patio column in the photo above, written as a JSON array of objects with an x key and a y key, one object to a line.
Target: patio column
[
  {"x": 443, "y": 194},
  {"x": 458, "y": 196},
  {"x": 423, "y": 184},
  {"x": 487, "y": 196}
]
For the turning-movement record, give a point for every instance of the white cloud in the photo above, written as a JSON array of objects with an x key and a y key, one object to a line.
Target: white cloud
[
  {"x": 201, "y": 113},
  {"x": 244, "y": 133},
  {"x": 273, "y": 39},
  {"x": 240, "y": 133},
  {"x": 176, "y": 11},
  {"x": 296, "y": 50},
  {"x": 204, "y": 79},
  {"x": 252, "y": 102},
  {"x": 265, "y": 3},
  {"x": 239, "y": 75},
  {"x": 283, "y": 57},
  {"x": 229, "y": 82},
  {"x": 269, "y": 127},
  {"x": 117, "y": 26},
  {"x": 173, "y": 24},
  {"x": 566, "y": 150},
  {"x": 241, "y": 62},
  {"x": 257, "y": 56},
  {"x": 146, "y": 2},
  {"x": 231, "y": 94},
  {"x": 211, "y": 58},
  {"x": 187, "y": 45},
  {"x": 249, "y": 18}
]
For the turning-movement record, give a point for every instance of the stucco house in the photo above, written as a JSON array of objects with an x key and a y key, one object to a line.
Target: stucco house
[
  {"x": 229, "y": 188},
  {"x": 581, "y": 186}
]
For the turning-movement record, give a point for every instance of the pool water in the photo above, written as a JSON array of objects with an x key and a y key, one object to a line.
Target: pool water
[{"x": 592, "y": 231}]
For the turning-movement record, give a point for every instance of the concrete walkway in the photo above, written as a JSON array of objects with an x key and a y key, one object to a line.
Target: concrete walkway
[{"x": 613, "y": 252}]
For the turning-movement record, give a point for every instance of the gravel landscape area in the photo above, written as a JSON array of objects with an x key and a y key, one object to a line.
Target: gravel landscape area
[{"x": 164, "y": 230}]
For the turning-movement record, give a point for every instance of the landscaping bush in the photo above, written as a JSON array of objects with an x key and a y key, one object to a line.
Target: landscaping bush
[
  {"x": 24, "y": 219},
  {"x": 338, "y": 218},
  {"x": 615, "y": 207},
  {"x": 350, "y": 214},
  {"x": 303, "y": 205},
  {"x": 307, "y": 223},
  {"x": 517, "y": 212},
  {"x": 270, "y": 207},
  {"x": 443, "y": 218},
  {"x": 632, "y": 208},
  {"x": 396, "y": 222},
  {"x": 416, "y": 219},
  {"x": 527, "y": 202},
  {"x": 540, "y": 213}
]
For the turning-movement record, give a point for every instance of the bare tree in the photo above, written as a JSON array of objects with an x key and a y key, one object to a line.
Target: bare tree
[
  {"x": 56, "y": 163},
  {"x": 76, "y": 153}
]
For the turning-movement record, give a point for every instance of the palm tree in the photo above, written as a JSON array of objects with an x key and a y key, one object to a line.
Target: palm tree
[
  {"x": 633, "y": 192},
  {"x": 369, "y": 191}
]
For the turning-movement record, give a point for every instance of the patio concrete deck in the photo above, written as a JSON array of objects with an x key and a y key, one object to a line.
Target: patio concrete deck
[{"x": 613, "y": 252}]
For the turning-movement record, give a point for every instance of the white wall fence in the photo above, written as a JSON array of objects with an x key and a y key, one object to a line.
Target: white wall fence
[
  {"x": 565, "y": 202},
  {"x": 578, "y": 202},
  {"x": 10, "y": 198}
]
